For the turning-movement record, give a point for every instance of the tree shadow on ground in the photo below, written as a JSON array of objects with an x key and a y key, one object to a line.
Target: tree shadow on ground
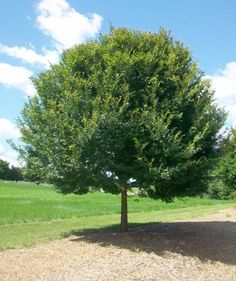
[{"x": 208, "y": 241}]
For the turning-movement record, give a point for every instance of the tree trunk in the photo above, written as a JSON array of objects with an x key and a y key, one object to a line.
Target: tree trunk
[{"x": 124, "y": 209}]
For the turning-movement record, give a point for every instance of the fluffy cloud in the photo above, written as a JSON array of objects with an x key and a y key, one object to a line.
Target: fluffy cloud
[
  {"x": 2, "y": 149},
  {"x": 9, "y": 155},
  {"x": 28, "y": 55},
  {"x": 17, "y": 77},
  {"x": 64, "y": 25},
  {"x": 8, "y": 129},
  {"x": 224, "y": 84},
  {"x": 58, "y": 20}
]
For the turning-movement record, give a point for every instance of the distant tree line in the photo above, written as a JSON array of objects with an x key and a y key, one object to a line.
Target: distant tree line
[
  {"x": 223, "y": 183},
  {"x": 8, "y": 172}
]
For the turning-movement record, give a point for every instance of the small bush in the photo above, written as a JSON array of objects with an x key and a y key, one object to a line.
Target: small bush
[
  {"x": 218, "y": 190},
  {"x": 232, "y": 195}
]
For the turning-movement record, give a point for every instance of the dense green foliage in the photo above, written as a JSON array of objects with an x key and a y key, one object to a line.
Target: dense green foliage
[
  {"x": 224, "y": 184},
  {"x": 130, "y": 105},
  {"x": 227, "y": 165},
  {"x": 8, "y": 172},
  {"x": 217, "y": 189}
]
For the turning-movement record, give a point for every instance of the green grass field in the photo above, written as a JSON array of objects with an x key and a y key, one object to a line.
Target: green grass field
[{"x": 30, "y": 214}]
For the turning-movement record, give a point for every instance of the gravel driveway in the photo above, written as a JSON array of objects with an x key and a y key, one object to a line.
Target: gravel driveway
[{"x": 200, "y": 249}]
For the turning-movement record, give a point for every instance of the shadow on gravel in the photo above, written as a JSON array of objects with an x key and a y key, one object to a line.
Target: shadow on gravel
[{"x": 208, "y": 241}]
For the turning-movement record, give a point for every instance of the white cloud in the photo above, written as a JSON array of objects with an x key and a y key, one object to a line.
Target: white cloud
[
  {"x": 9, "y": 155},
  {"x": 58, "y": 20},
  {"x": 63, "y": 24},
  {"x": 8, "y": 129},
  {"x": 2, "y": 149},
  {"x": 224, "y": 84},
  {"x": 28, "y": 55},
  {"x": 17, "y": 77}
]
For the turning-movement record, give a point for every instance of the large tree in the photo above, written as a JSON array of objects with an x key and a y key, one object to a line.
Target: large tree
[{"x": 129, "y": 108}]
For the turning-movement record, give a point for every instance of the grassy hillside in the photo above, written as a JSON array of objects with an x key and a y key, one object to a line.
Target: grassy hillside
[{"x": 30, "y": 213}]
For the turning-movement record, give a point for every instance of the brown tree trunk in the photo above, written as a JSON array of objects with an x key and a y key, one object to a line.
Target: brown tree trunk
[{"x": 124, "y": 210}]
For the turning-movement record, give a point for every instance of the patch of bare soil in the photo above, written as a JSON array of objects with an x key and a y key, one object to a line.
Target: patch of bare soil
[{"x": 200, "y": 249}]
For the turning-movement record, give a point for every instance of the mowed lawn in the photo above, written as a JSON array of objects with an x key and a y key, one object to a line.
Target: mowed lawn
[{"x": 30, "y": 214}]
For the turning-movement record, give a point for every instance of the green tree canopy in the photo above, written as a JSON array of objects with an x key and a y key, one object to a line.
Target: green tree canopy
[
  {"x": 129, "y": 108},
  {"x": 8, "y": 172},
  {"x": 4, "y": 169},
  {"x": 226, "y": 169}
]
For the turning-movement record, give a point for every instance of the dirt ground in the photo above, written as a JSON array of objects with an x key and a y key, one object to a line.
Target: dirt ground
[{"x": 199, "y": 249}]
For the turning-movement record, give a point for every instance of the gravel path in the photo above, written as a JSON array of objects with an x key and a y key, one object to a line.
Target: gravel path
[{"x": 200, "y": 249}]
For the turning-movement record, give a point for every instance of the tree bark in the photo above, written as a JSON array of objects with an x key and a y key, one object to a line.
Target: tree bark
[{"x": 124, "y": 211}]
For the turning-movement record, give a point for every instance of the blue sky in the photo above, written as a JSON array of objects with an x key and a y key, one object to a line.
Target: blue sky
[{"x": 33, "y": 34}]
